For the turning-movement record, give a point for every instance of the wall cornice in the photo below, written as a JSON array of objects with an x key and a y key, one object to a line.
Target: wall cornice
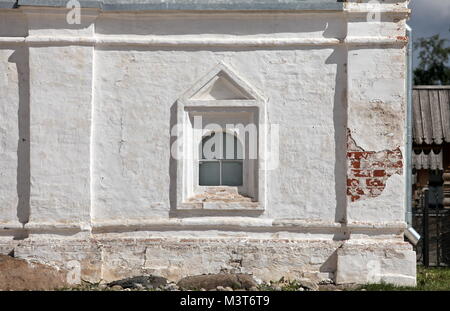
[
  {"x": 173, "y": 41},
  {"x": 211, "y": 223}
]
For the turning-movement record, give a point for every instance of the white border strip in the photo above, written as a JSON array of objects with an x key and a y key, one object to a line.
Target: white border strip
[
  {"x": 216, "y": 223},
  {"x": 201, "y": 42}
]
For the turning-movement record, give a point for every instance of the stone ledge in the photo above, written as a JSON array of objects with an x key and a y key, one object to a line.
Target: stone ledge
[
  {"x": 11, "y": 226},
  {"x": 222, "y": 222},
  {"x": 222, "y": 206},
  {"x": 176, "y": 41}
]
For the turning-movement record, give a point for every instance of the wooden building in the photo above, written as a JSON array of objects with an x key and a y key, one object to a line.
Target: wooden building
[
  {"x": 431, "y": 138},
  {"x": 431, "y": 170}
]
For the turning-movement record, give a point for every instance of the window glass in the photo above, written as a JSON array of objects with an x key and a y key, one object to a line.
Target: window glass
[
  {"x": 232, "y": 173},
  {"x": 209, "y": 173},
  {"x": 220, "y": 162}
]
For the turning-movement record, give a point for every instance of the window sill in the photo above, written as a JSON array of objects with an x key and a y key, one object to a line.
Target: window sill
[{"x": 221, "y": 206}]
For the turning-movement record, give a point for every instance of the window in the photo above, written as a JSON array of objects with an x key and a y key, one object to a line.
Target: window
[
  {"x": 221, "y": 162},
  {"x": 234, "y": 156}
]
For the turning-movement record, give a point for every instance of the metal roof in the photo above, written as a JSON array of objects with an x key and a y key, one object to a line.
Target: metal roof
[
  {"x": 233, "y": 5},
  {"x": 431, "y": 114},
  {"x": 7, "y": 4}
]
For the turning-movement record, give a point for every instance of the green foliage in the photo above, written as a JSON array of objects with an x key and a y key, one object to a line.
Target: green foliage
[
  {"x": 434, "y": 54},
  {"x": 292, "y": 286},
  {"x": 282, "y": 284},
  {"x": 428, "y": 279}
]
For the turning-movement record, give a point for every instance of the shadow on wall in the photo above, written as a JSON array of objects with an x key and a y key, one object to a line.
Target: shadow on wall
[
  {"x": 330, "y": 265},
  {"x": 330, "y": 28},
  {"x": 339, "y": 57},
  {"x": 173, "y": 162},
  {"x": 20, "y": 57}
]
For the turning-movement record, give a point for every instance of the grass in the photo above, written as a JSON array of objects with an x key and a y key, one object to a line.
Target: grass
[{"x": 428, "y": 279}]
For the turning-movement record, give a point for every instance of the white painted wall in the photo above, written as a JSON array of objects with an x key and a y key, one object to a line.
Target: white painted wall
[{"x": 103, "y": 94}]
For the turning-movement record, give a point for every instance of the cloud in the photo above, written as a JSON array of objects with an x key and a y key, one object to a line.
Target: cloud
[{"x": 430, "y": 17}]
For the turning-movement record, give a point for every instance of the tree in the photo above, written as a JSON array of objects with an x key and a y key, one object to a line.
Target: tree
[{"x": 433, "y": 59}]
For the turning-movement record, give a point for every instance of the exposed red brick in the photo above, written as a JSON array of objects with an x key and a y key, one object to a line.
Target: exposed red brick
[
  {"x": 359, "y": 191},
  {"x": 358, "y": 155},
  {"x": 398, "y": 164},
  {"x": 374, "y": 182},
  {"x": 379, "y": 173},
  {"x": 352, "y": 182},
  {"x": 369, "y": 171},
  {"x": 356, "y": 164},
  {"x": 355, "y": 198},
  {"x": 361, "y": 173},
  {"x": 378, "y": 164}
]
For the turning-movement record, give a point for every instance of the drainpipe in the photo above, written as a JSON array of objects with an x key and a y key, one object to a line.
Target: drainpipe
[{"x": 410, "y": 233}]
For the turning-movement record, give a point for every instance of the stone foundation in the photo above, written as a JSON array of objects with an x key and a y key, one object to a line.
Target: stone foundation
[{"x": 108, "y": 259}]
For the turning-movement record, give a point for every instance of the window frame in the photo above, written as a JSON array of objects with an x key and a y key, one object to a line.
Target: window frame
[{"x": 187, "y": 173}]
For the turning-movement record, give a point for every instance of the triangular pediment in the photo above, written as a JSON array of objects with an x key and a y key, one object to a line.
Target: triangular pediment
[
  {"x": 221, "y": 84},
  {"x": 221, "y": 87}
]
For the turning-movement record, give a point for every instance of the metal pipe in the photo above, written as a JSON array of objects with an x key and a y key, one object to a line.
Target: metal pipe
[
  {"x": 409, "y": 233},
  {"x": 409, "y": 116}
]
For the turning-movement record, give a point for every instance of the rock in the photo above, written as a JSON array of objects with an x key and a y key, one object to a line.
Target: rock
[
  {"x": 253, "y": 289},
  {"x": 139, "y": 286},
  {"x": 277, "y": 288},
  {"x": 326, "y": 282},
  {"x": 149, "y": 282},
  {"x": 212, "y": 281},
  {"x": 301, "y": 289},
  {"x": 19, "y": 274},
  {"x": 116, "y": 287},
  {"x": 172, "y": 287},
  {"x": 102, "y": 286},
  {"x": 228, "y": 289},
  {"x": 307, "y": 283},
  {"x": 341, "y": 287},
  {"x": 220, "y": 288},
  {"x": 314, "y": 277}
]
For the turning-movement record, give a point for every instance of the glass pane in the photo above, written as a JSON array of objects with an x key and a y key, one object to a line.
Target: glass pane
[
  {"x": 209, "y": 174},
  {"x": 228, "y": 146},
  {"x": 232, "y": 173},
  {"x": 232, "y": 147},
  {"x": 211, "y": 147},
  {"x": 239, "y": 151}
]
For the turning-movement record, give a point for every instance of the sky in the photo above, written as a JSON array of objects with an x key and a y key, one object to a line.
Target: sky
[{"x": 430, "y": 17}]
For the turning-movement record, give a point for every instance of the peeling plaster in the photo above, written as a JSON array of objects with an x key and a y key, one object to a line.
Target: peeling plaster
[{"x": 368, "y": 171}]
